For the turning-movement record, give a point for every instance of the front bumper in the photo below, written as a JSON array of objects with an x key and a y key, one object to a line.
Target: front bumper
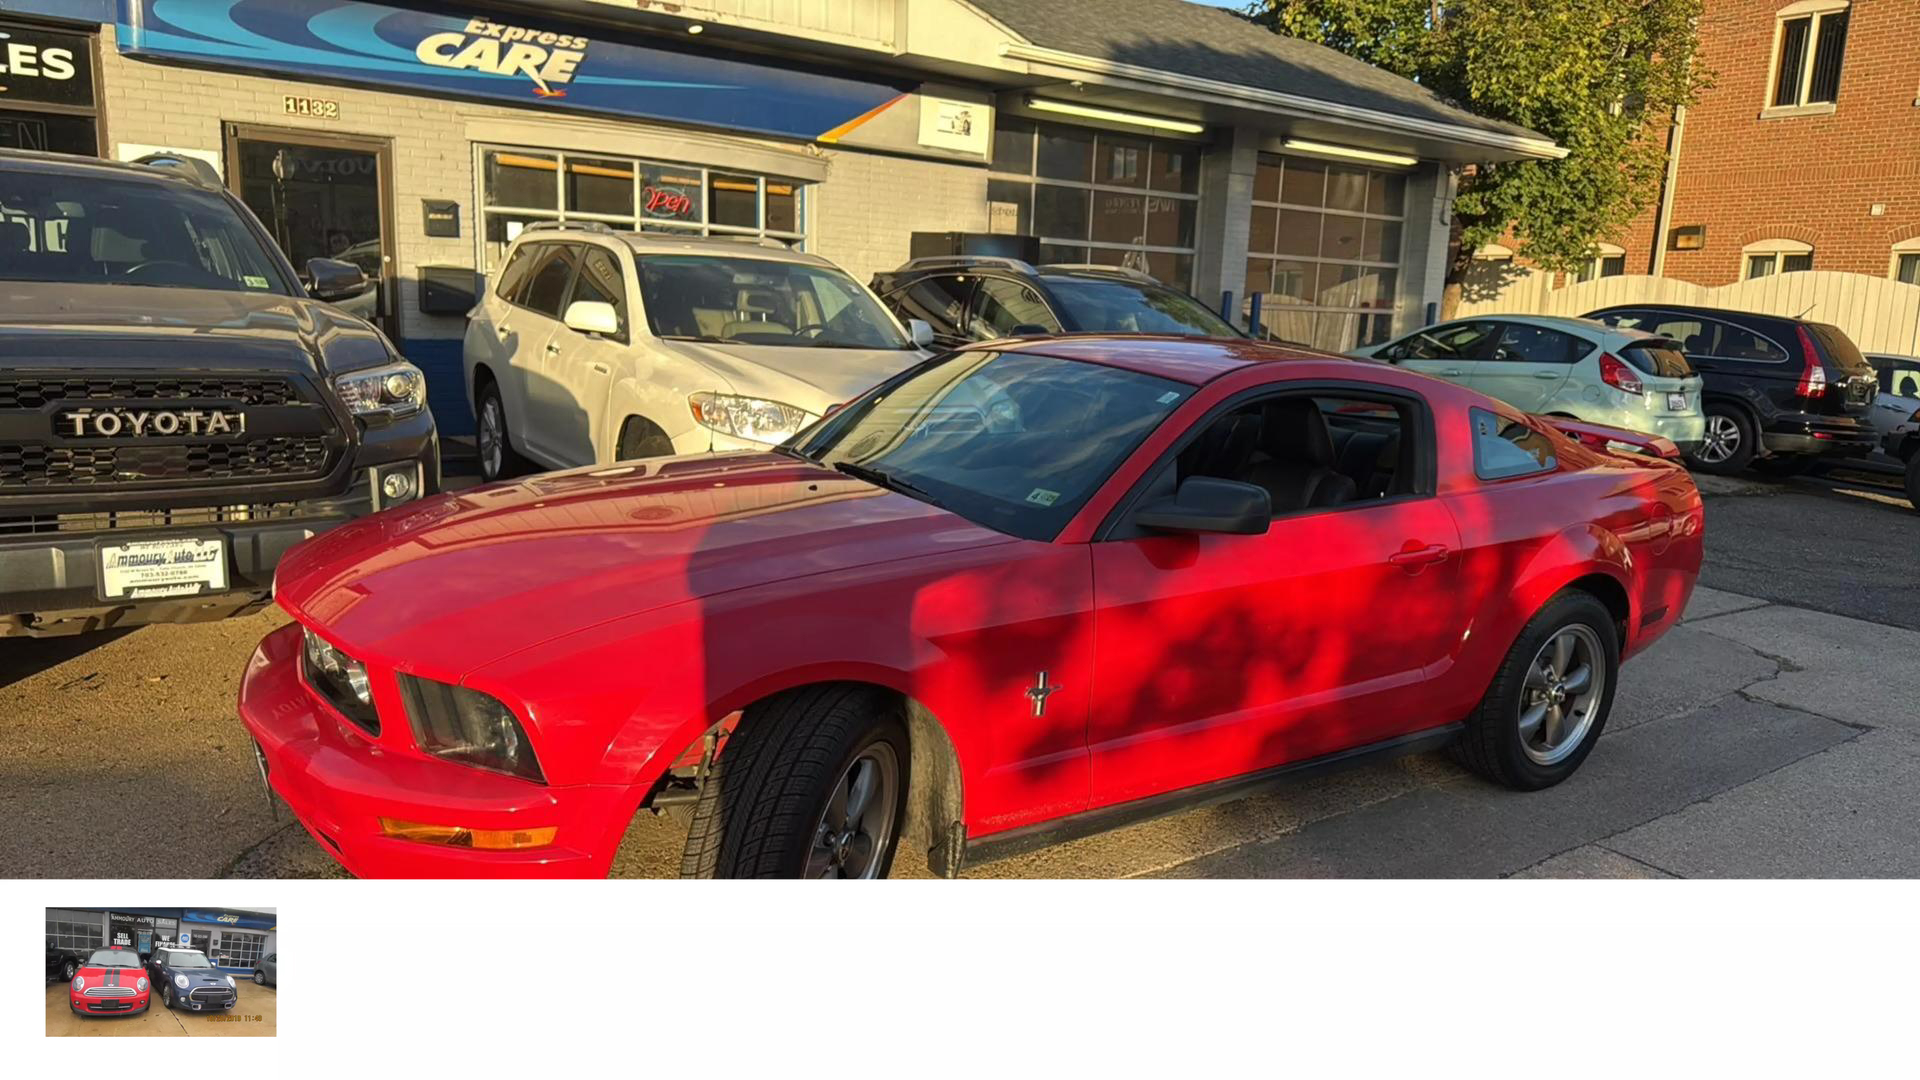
[
  {"x": 340, "y": 782},
  {"x": 114, "y": 1006}
]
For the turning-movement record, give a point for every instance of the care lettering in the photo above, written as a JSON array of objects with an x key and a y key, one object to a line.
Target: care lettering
[{"x": 542, "y": 56}]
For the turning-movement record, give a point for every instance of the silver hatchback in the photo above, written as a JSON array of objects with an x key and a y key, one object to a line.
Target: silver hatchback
[{"x": 1557, "y": 366}]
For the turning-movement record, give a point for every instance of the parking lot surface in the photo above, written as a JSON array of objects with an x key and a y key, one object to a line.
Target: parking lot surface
[
  {"x": 254, "y": 1015},
  {"x": 1773, "y": 734}
]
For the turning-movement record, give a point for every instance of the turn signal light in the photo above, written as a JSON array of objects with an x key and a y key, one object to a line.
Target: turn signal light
[{"x": 478, "y": 839}]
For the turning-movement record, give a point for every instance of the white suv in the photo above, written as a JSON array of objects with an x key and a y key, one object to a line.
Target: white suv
[{"x": 595, "y": 346}]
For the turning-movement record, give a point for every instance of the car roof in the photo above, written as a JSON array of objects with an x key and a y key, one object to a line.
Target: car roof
[
  {"x": 39, "y": 161},
  {"x": 1695, "y": 309},
  {"x": 1182, "y": 359},
  {"x": 743, "y": 247}
]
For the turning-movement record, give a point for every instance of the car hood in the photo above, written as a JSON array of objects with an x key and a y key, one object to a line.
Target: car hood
[
  {"x": 98, "y": 976},
  {"x": 59, "y": 324},
  {"x": 451, "y": 583},
  {"x": 811, "y": 378},
  {"x": 196, "y": 977}
]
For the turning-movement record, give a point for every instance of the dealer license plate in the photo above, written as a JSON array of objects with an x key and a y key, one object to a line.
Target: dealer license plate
[
  {"x": 153, "y": 569},
  {"x": 1676, "y": 403}
]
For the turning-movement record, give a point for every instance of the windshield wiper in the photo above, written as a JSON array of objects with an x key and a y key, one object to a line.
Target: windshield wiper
[
  {"x": 886, "y": 480},
  {"x": 692, "y": 337}
]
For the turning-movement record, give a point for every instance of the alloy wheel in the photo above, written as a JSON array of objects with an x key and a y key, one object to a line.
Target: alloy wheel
[
  {"x": 259, "y": 978},
  {"x": 1565, "y": 684},
  {"x": 491, "y": 436},
  {"x": 1722, "y": 441},
  {"x": 70, "y": 969},
  {"x": 851, "y": 838}
]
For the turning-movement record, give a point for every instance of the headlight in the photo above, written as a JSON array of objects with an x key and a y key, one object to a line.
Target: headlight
[
  {"x": 468, "y": 726},
  {"x": 388, "y": 392},
  {"x": 747, "y": 417},
  {"x": 341, "y": 679},
  {"x": 141, "y": 984},
  {"x": 230, "y": 982},
  {"x": 180, "y": 981},
  {"x": 79, "y": 983}
]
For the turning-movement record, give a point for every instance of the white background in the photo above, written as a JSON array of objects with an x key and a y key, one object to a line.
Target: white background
[{"x": 908, "y": 979}]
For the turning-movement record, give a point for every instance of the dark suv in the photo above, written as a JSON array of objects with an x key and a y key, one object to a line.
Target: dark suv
[
  {"x": 969, "y": 298},
  {"x": 176, "y": 409},
  {"x": 1780, "y": 393}
]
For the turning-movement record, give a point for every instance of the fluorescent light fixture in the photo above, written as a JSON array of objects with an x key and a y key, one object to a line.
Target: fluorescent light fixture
[
  {"x": 1092, "y": 112},
  {"x": 1307, "y": 146}
]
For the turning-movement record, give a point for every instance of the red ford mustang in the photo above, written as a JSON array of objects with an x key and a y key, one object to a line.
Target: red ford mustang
[
  {"x": 111, "y": 982},
  {"x": 1018, "y": 593}
]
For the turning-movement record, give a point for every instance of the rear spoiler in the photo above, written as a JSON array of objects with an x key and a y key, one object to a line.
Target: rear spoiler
[{"x": 1602, "y": 437}]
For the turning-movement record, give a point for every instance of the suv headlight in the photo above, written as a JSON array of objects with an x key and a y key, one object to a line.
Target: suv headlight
[
  {"x": 748, "y": 417},
  {"x": 341, "y": 679},
  {"x": 383, "y": 393},
  {"x": 468, "y": 726}
]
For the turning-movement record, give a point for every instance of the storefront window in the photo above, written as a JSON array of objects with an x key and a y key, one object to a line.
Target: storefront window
[
  {"x": 1324, "y": 251},
  {"x": 73, "y": 930},
  {"x": 1098, "y": 197},
  {"x": 524, "y": 186},
  {"x": 236, "y": 948}
]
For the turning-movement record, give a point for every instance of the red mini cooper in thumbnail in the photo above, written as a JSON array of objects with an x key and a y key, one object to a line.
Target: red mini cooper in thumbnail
[
  {"x": 1017, "y": 593},
  {"x": 110, "y": 982}
]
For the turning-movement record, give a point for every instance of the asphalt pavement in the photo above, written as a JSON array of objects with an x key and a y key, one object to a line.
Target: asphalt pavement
[{"x": 1773, "y": 734}]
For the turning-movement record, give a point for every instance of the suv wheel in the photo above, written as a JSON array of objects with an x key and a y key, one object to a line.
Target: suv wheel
[
  {"x": 497, "y": 458},
  {"x": 69, "y": 969},
  {"x": 1729, "y": 444}
]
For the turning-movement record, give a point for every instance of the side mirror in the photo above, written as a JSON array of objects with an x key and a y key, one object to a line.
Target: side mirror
[
  {"x": 332, "y": 279},
  {"x": 592, "y": 317},
  {"x": 921, "y": 331},
  {"x": 1205, "y": 504}
]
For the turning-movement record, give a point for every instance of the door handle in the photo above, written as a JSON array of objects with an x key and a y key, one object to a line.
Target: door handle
[
  {"x": 1546, "y": 374},
  {"x": 1452, "y": 371},
  {"x": 602, "y": 369},
  {"x": 553, "y": 349},
  {"x": 503, "y": 330},
  {"x": 1417, "y": 559}
]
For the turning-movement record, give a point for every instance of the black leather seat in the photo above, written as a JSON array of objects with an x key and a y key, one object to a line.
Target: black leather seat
[{"x": 1296, "y": 463}]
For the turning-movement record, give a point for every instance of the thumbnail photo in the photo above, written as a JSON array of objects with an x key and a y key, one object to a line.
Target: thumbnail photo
[{"x": 162, "y": 971}]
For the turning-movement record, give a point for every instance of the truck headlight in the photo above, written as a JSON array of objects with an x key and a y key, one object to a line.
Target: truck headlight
[
  {"x": 468, "y": 726},
  {"x": 753, "y": 418},
  {"x": 383, "y": 393}
]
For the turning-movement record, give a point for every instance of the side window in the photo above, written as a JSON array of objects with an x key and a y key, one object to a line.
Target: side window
[
  {"x": 1312, "y": 452},
  {"x": 515, "y": 272},
  {"x": 1454, "y": 341},
  {"x": 1525, "y": 344},
  {"x": 1504, "y": 447},
  {"x": 1003, "y": 308},
  {"x": 600, "y": 280},
  {"x": 1696, "y": 337},
  {"x": 1737, "y": 343},
  {"x": 940, "y": 301},
  {"x": 547, "y": 282}
]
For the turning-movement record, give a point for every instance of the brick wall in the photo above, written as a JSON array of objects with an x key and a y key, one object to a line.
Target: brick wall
[
  {"x": 1812, "y": 178},
  {"x": 865, "y": 212}
]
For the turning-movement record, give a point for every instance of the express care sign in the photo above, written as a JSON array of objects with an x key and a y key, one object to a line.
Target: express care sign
[{"x": 44, "y": 66}]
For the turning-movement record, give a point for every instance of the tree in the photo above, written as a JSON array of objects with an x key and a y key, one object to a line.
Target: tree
[{"x": 1599, "y": 77}]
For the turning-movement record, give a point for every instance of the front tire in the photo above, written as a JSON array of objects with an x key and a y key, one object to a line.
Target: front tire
[
  {"x": 498, "y": 461},
  {"x": 259, "y": 978},
  {"x": 1550, "y": 698},
  {"x": 1730, "y": 442},
  {"x": 69, "y": 969},
  {"x": 812, "y": 784}
]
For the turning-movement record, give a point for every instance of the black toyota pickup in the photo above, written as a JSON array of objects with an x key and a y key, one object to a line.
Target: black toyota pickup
[{"x": 176, "y": 408}]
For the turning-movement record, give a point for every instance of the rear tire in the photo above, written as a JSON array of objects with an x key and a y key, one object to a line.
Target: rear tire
[
  {"x": 70, "y": 969},
  {"x": 498, "y": 460},
  {"x": 813, "y": 783},
  {"x": 1542, "y": 713},
  {"x": 642, "y": 438},
  {"x": 1730, "y": 441}
]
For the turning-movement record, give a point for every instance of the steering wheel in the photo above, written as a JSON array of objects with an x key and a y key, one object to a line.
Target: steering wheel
[{"x": 139, "y": 268}]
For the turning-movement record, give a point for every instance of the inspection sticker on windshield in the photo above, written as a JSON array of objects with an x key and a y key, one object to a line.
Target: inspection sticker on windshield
[
  {"x": 1042, "y": 497},
  {"x": 254, "y": 281},
  {"x": 1169, "y": 397}
]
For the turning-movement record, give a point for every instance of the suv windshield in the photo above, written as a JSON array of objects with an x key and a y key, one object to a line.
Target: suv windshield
[
  {"x": 1119, "y": 306},
  {"x": 184, "y": 960},
  {"x": 1013, "y": 441},
  {"x": 761, "y": 302},
  {"x": 113, "y": 958},
  {"x": 107, "y": 231}
]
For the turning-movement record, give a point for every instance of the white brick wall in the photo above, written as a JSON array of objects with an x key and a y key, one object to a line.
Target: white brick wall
[{"x": 871, "y": 204}]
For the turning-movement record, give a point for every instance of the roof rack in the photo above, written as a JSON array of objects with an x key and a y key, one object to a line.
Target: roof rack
[
  {"x": 183, "y": 166},
  {"x": 1104, "y": 268},
  {"x": 585, "y": 226},
  {"x": 928, "y": 262}
]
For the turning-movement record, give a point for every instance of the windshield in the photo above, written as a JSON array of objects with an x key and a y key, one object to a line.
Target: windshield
[
  {"x": 1100, "y": 306},
  {"x": 1013, "y": 441},
  {"x": 113, "y": 958},
  {"x": 103, "y": 231},
  {"x": 762, "y": 302},
  {"x": 184, "y": 960},
  {"x": 1657, "y": 357}
]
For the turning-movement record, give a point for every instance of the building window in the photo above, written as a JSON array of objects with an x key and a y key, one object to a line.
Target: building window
[
  {"x": 1098, "y": 196},
  {"x": 518, "y": 187},
  {"x": 70, "y": 930},
  {"x": 235, "y": 948},
  {"x": 1609, "y": 260},
  {"x": 1324, "y": 249},
  {"x": 1809, "y": 41},
  {"x": 1906, "y": 262},
  {"x": 1766, "y": 258}
]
